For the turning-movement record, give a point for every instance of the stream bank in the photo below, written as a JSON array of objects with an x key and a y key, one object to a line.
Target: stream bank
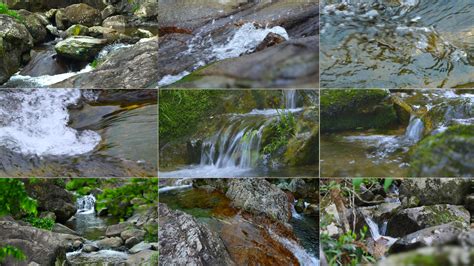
[{"x": 239, "y": 221}]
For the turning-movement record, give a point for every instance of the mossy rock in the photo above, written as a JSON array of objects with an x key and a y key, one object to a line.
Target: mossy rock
[
  {"x": 351, "y": 109},
  {"x": 447, "y": 154},
  {"x": 77, "y": 30}
]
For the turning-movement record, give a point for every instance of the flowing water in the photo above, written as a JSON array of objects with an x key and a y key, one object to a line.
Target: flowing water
[
  {"x": 378, "y": 233},
  {"x": 395, "y": 44},
  {"x": 207, "y": 50},
  {"x": 376, "y": 153}
]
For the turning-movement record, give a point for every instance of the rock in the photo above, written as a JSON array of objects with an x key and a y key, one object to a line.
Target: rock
[
  {"x": 61, "y": 19},
  {"x": 410, "y": 220},
  {"x": 59, "y": 228},
  {"x": 137, "y": 233},
  {"x": 354, "y": 109},
  {"x": 312, "y": 210},
  {"x": 140, "y": 247},
  {"x": 80, "y": 48},
  {"x": 108, "y": 11},
  {"x": 184, "y": 241},
  {"x": 116, "y": 229},
  {"x": 144, "y": 33},
  {"x": 103, "y": 212},
  {"x": 115, "y": 22},
  {"x": 147, "y": 10},
  {"x": 77, "y": 244},
  {"x": 76, "y": 30},
  {"x": 88, "y": 248},
  {"x": 469, "y": 202},
  {"x": 34, "y": 25},
  {"x": 16, "y": 43},
  {"x": 299, "y": 206},
  {"x": 52, "y": 198},
  {"x": 430, "y": 191},
  {"x": 81, "y": 14},
  {"x": 53, "y": 30},
  {"x": 40, "y": 247},
  {"x": 110, "y": 242},
  {"x": 133, "y": 68},
  {"x": 258, "y": 196},
  {"x": 145, "y": 257},
  {"x": 446, "y": 256},
  {"x": 137, "y": 201},
  {"x": 270, "y": 40},
  {"x": 50, "y": 14},
  {"x": 439, "y": 235},
  {"x": 447, "y": 154},
  {"x": 132, "y": 241},
  {"x": 466, "y": 238},
  {"x": 48, "y": 215}
]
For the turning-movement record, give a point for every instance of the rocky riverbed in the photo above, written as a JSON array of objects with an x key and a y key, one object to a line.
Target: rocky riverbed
[
  {"x": 98, "y": 44},
  {"x": 81, "y": 234},
  {"x": 85, "y": 133},
  {"x": 238, "y": 221},
  {"x": 411, "y": 222},
  {"x": 233, "y": 44}
]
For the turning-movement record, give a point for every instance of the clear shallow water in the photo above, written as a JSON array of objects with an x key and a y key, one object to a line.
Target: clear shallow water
[{"x": 393, "y": 44}]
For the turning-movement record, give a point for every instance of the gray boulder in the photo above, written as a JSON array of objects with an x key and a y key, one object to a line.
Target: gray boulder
[
  {"x": 80, "y": 48},
  {"x": 431, "y": 191}
]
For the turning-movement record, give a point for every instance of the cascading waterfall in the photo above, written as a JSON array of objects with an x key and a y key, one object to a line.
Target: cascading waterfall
[
  {"x": 415, "y": 129},
  {"x": 35, "y": 122},
  {"x": 303, "y": 257},
  {"x": 378, "y": 233},
  {"x": 290, "y": 98},
  {"x": 86, "y": 204}
]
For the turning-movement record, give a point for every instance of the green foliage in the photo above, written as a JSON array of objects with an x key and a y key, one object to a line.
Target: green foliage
[
  {"x": 182, "y": 110},
  {"x": 42, "y": 223},
  {"x": 82, "y": 186},
  {"x": 94, "y": 63},
  {"x": 11, "y": 251},
  {"x": 151, "y": 237},
  {"x": 356, "y": 182},
  {"x": 283, "y": 130},
  {"x": 118, "y": 200},
  {"x": 14, "y": 199},
  {"x": 6, "y": 11}
]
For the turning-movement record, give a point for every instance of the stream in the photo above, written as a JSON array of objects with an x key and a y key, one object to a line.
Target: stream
[
  {"x": 52, "y": 128},
  {"x": 215, "y": 210},
  {"x": 386, "y": 152},
  {"x": 397, "y": 44}
]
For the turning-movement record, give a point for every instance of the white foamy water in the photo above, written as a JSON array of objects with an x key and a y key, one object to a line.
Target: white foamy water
[
  {"x": 170, "y": 79},
  {"x": 41, "y": 81},
  {"x": 378, "y": 233},
  {"x": 208, "y": 171},
  {"x": 170, "y": 188},
  {"x": 35, "y": 121},
  {"x": 303, "y": 257},
  {"x": 415, "y": 129},
  {"x": 86, "y": 204}
]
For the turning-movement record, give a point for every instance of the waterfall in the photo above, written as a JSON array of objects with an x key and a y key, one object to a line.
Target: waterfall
[
  {"x": 378, "y": 233},
  {"x": 303, "y": 257},
  {"x": 86, "y": 204},
  {"x": 415, "y": 129},
  {"x": 294, "y": 213},
  {"x": 289, "y": 97},
  {"x": 35, "y": 122}
]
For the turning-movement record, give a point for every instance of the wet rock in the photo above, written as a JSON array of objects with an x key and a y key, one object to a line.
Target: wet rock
[
  {"x": 270, "y": 40},
  {"x": 143, "y": 33},
  {"x": 88, "y": 248},
  {"x": 80, "y": 48},
  {"x": 430, "y": 191},
  {"x": 103, "y": 212},
  {"x": 116, "y": 229},
  {"x": 129, "y": 233},
  {"x": 447, "y": 154},
  {"x": 52, "y": 198},
  {"x": 184, "y": 241},
  {"x": 140, "y": 247},
  {"x": 312, "y": 210},
  {"x": 79, "y": 14},
  {"x": 133, "y": 68},
  {"x": 354, "y": 109},
  {"x": 50, "y": 14},
  {"x": 132, "y": 241},
  {"x": 35, "y": 26},
  {"x": 76, "y": 30},
  {"x": 16, "y": 45},
  {"x": 410, "y": 220},
  {"x": 444, "y": 234},
  {"x": 147, "y": 10},
  {"x": 115, "y": 22},
  {"x": 59, "y": 228},
  {"x": 40, "y": 246},
  {"x": 446, "y": 256},
  {"x": 145, "y": 257},
  {"x": 469, "y": 202},
  {"x": 466, "y": 238},
  {"x": 108, "y": 11},
  {"x": 45, "y": 63},
  {"x": 110, "y": 242},
  {"x": 258, "y": 196},
  {"x": 299, "y": 206},
  {"x": 53, "y": 30}
]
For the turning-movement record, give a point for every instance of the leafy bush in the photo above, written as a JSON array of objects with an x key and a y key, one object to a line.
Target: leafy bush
[
  {"x": 82, "y": 186},
  {"x": 14, "y": 199},
  {"x": 42, "y": 223},
  {"x": 6, "y": 11},
  {"x": 282, "y": 130},
  {"x": 118, "y": 200},
  {"x": 11, "y": 251}
]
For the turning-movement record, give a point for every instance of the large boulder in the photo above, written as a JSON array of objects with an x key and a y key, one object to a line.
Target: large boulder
[
  {"x": 80, "y": 48},
  {"x": 41, "y": 247},
  {"x": 184, "y": 241},
  {"x": 79, "y": 14},
  {"x": 410, "y": 220},
  {"x": 147, "y": 10},
  {"x": 117, "y": 229},
  {"x": 133, "y": 68},
  {"x": 35, "y": 25},
  {"x": 447, "y": 154},
  {"x": 15, "y": 45},
  {"x": 431, "y": 191},
  {"x": 115, "y": 22},
  {"x": 259, "y": 197},
  {"x": 52, "y": 198},
  {"x": 446, "y": 256},
  {"x": 110, "y": 242}
]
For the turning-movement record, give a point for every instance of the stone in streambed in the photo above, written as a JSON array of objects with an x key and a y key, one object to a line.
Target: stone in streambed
[
  {"x": 108, "y": 11},
  {"x": 116, "y": 229},
  {"x": 110, "y": 242},
  {"x": 15, "y": 45},
  {"x": 469, "y": 202},
  {"x": 78, "y": 14},
  {"x": 35, "y": 26},
  {"x": 299, "y": 206},
  {"x": 140, "y": 247},
  {"x": 88, "y": 248},
  {"x": 446, "y": 256},
  {"x": 59, "y": 228},
  {"x": 137, "y": 233},
  {"x": 115, "y": 22},
  {"x": 430, "y": 191},
  {"x": 270, "y": 40},
  {"x": 80, "y": 48},
  {"x": 77, "y": 30},
  {"x": 132, "y": 241},
  {"x": 147, "y": 10}
]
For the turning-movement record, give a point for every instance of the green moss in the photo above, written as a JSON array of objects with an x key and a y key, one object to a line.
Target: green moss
[
  {"x": 356, "y": 109},
  {"x": 6, "y": 11},
  {"x": 425, "y": 260},
  {"x": 448, "y": 154}
]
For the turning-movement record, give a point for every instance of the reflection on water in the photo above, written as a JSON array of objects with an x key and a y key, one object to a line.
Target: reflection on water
[{"x": 418, "y": 43}]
